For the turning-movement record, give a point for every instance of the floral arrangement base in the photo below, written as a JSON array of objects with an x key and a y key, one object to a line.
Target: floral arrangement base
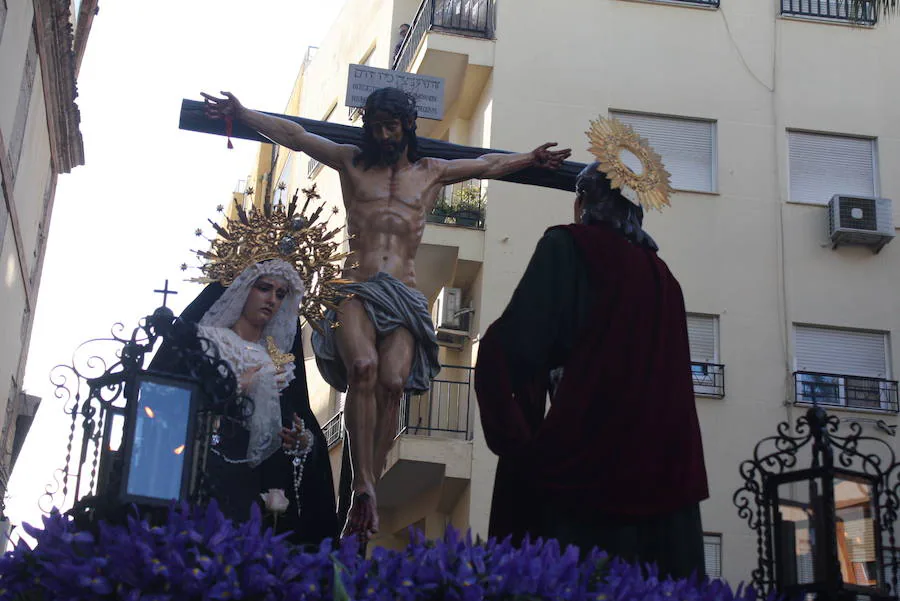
[{"x": 199, "y": 554}]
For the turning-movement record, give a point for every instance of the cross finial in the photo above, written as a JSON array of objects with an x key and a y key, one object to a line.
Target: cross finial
[{"x": 165, "y": 292}]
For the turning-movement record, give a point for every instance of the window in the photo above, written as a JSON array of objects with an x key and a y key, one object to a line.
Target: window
[
  {"x": 687, "y": 148},
  {"x": 824, "y": 165},
  {"x": 709, "y": 375},
  {"x": 843, "y": 367},
  {"x": 712, "y": 554}
]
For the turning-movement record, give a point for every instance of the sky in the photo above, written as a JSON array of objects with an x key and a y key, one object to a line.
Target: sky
[{"x": 124, "y": 222}]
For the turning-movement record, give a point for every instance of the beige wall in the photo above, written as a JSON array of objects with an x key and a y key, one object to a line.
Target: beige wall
[
  {"x": 744, "y": 253},
  {"x": 13, "y": 44},
  {"x": 28, "y": 186},
  {"x": 26, "y": 191}
]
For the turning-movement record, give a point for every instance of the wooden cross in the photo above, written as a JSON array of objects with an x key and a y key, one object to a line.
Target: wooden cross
[
  {"x": 165, "y": 292},
  {"x": 193, "y": 118}
]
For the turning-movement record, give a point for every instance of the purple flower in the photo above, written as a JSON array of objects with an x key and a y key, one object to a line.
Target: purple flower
[
  {"x": 96, "y": 583},
  {"x": 197, "y": 553}
]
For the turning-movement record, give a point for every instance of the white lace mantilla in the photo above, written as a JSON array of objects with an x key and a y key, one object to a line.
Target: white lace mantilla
[{"x": 265, "y": 388}]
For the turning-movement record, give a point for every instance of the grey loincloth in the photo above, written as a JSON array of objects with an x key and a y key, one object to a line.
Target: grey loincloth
[{"x": 390, "y": 304}]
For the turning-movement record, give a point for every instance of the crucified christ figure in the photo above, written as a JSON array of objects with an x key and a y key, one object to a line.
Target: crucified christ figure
[{"x": 385, "y": 343}]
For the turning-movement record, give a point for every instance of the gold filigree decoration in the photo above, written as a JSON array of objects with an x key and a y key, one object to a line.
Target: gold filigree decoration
[
  {"x": 609, "y": 139},
  {"x": 279, "y": 232},
  {"x": 278, "y": 358}
]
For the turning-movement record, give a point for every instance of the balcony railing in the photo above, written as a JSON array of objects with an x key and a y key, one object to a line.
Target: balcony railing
[
  {"x": 473, "y": 18},
  {"x": 334, "y": 429},
  {"x": 859, "y": 11},
  {"x": 460, "y": 204},
  {"x": 839, "y": 390},
  {"x": 701, "y": 2},
  {"x": 444, "y": 410},
  {"x": 709, "y": 379}
]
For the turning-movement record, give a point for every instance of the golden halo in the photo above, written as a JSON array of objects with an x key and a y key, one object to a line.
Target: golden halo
[
  {"x": 277, "y": 232},
  {"x": 650, "y": 188}
]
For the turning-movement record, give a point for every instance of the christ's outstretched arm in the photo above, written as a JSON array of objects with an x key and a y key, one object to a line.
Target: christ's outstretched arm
[
  {"x": 494, "y": 165},
  {"x": 281, "y": 131}
]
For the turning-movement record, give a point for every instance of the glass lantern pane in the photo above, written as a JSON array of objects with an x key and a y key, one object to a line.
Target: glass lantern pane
[
  {"x": 157, "y": 456},
  {"x": 856, "y": 531},
  {"x": 799, "y": 507}
]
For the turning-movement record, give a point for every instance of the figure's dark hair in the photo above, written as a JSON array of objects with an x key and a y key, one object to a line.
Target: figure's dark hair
[
  {"x": 396, "y": 103},
  {"x": 602, "y": 203}
]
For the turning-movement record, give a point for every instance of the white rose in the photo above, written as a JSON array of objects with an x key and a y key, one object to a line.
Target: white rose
[{"x": 275, "y": 500}]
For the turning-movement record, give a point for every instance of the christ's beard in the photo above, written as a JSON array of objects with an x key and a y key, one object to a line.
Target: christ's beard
[{"x": 391, "y": 152}]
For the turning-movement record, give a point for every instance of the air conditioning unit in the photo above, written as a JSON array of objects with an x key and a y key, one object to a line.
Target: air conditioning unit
[
  {"x": 447, "y": 310},
  {"x": 860, "y": 220}
]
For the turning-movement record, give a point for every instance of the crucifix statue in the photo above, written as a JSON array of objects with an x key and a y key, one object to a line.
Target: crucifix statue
[{"x": 381, "y": 341}]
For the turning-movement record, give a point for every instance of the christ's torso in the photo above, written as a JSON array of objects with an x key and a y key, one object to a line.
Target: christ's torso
[{"x": 386, "y": 210}]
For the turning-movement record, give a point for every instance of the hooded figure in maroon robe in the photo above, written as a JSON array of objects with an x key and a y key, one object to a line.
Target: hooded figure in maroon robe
[{"x": 597, "y": 324}]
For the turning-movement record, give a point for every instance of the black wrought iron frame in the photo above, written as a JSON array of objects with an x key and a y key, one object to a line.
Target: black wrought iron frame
[
  {"x": 712, "y": 384},
  {"x": 334, "y": 429},
  {"x": 429, "y": 424},
  {"x": 861, "y": 12},
  {"x": 96, "y": 389},
  {"x": 845, "y": 391},
  {"x": 710, "y": 3},
  {"x": 774, "y": 461}
]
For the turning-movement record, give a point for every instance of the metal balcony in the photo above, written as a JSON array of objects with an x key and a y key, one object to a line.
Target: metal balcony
[
  {"x": 444, "y": 410},
  {"x": 709, "y": 379},
  {"x": 853, "y": 392},
  {"x": 472, "y": 18},
  {"x": 714, "y": 3},
  {"x": 462, "y": 204},
  {"x": 857, "y": 11},
  {"x": 334, "y": 429}
]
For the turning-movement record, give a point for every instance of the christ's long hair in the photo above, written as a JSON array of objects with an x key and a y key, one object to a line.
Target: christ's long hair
[{"x": 398, "y": 104}]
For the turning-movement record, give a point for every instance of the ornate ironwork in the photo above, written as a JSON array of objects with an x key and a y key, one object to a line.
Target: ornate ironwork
[
  {"x": 100, "y": 380},
  {"x": 817, "y": 433}
]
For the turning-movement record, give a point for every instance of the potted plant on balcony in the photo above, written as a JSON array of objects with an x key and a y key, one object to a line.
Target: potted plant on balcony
[
  {"x": 440, "y": 211},
  {"x": 468, "y": 206}
]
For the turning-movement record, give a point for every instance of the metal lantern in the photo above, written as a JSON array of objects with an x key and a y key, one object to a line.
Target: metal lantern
[
  {"x": 824, "y": 530},
  {"x": 145, "y": 432},
  {"x": 157, "y": 465}
]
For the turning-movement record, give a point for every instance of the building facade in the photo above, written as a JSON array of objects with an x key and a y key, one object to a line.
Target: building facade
[
  {"x": 763, "y": 113},
  {"x": 42, "y": 43}
]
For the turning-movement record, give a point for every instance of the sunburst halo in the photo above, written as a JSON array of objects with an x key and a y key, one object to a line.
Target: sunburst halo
[{"x": 609, "y": 138}]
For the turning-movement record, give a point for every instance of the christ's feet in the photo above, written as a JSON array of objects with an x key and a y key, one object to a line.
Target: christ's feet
[{"x": 362, "y": 519}]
